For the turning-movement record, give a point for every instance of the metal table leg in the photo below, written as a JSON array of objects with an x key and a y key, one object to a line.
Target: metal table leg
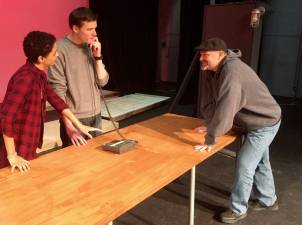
[{"x": 192, "y": 196}]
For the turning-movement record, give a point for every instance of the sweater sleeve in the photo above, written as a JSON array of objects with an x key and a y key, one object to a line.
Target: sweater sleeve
[
  {"x": 103, "y": 73},
  {"x": 57, "y": 78},
  {"x": 229, "y": 101},
  {"x": 54, "y": 99}
]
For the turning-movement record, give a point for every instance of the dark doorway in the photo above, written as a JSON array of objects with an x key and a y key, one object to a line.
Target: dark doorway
[
  {"x": 191, "y": 33},
  {"x": 128, "y": 32}
]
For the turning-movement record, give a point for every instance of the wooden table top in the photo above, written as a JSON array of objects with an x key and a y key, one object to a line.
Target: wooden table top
[{"x": 86, "y": 185}]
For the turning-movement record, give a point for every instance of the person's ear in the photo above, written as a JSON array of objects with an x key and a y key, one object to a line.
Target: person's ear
[
  {"x": 75, "y": 28},
  {"x": 221, "y": 54},
  {"x": 40, "y": 59}
]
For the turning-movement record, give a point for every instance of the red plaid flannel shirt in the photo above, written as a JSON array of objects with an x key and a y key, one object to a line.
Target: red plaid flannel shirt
[{"x": 22, "y": 113}]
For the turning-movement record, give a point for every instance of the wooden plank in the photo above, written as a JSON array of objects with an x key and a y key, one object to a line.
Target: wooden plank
[
  {"x": 110, "y": 94},
  {"x": 85, "y": 185},
  {"x": 129, "y": 105},
  {"x": 228, "y": 153}
]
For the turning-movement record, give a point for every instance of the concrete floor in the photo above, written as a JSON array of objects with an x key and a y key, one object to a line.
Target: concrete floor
[{"x": 214, "y": 178}]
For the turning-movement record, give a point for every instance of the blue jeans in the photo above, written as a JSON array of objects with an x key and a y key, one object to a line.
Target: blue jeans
[{"x": 254, "y": 170}]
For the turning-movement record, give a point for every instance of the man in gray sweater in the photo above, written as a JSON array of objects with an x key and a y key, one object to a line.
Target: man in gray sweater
[
  {"x": 78, "y": 73},
  {"x": 232, "y": 95}
]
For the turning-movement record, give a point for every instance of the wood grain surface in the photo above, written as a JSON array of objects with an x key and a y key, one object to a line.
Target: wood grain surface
[{"x": 86, "y": 185}]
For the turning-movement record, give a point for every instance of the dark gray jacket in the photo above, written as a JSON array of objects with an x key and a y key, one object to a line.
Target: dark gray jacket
[{"x": 235, "y": 95}]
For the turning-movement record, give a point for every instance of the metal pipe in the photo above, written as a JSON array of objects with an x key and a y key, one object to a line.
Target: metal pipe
[
  {"x": 298, "y": 69},
  {"x": 192, "y": 196}
]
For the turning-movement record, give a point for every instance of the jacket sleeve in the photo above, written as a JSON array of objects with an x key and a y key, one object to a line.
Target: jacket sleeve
[
  {"x": 13, "y": 102},
  {"x": 206, "y": 101},
  {"x": 229, "y": 101},
  {"x": 57, "y": 78}
]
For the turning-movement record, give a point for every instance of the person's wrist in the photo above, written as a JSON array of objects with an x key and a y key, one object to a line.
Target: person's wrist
[
  {"x": 79, "y": 126},
  {"x": 12, "y": 155},
  {"x": 98, "y": 57}
]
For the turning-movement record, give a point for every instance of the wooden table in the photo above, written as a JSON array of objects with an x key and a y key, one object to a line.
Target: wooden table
[{"x": 85, "y": 185}]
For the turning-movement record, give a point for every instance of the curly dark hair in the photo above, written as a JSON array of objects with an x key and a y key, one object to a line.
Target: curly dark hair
[
  {"x": 37, "y": 43},
  {"x": 81, "y": 14}
]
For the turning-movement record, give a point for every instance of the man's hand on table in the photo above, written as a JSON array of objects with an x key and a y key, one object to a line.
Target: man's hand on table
[
  {"x": 203, "y": 147},
  {"x": 201, "y": 129},
  {"x": 75, "y": 136},
  {"x": 86, "y": 129}
]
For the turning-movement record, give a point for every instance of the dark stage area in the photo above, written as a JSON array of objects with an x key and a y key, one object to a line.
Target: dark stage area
[{"x": 214, "y": 179}]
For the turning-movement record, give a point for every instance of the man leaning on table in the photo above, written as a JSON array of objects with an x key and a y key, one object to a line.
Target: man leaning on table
[{"x": 232, "y": 95}]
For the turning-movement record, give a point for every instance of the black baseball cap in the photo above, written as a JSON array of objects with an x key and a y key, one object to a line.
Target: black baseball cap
[{"x": 213, "y": 44}]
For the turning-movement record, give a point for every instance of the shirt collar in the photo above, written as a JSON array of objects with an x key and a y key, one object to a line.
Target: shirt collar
[{"x": 40, "y": 73}]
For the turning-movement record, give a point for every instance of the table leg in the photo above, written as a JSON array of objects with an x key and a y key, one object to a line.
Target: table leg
[{"x": 192, "y": 196}]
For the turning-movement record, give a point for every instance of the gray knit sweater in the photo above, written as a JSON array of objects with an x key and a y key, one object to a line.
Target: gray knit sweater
[
  {"x": 74, "y": 80},
  {"x": 235, "y": 95}
]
